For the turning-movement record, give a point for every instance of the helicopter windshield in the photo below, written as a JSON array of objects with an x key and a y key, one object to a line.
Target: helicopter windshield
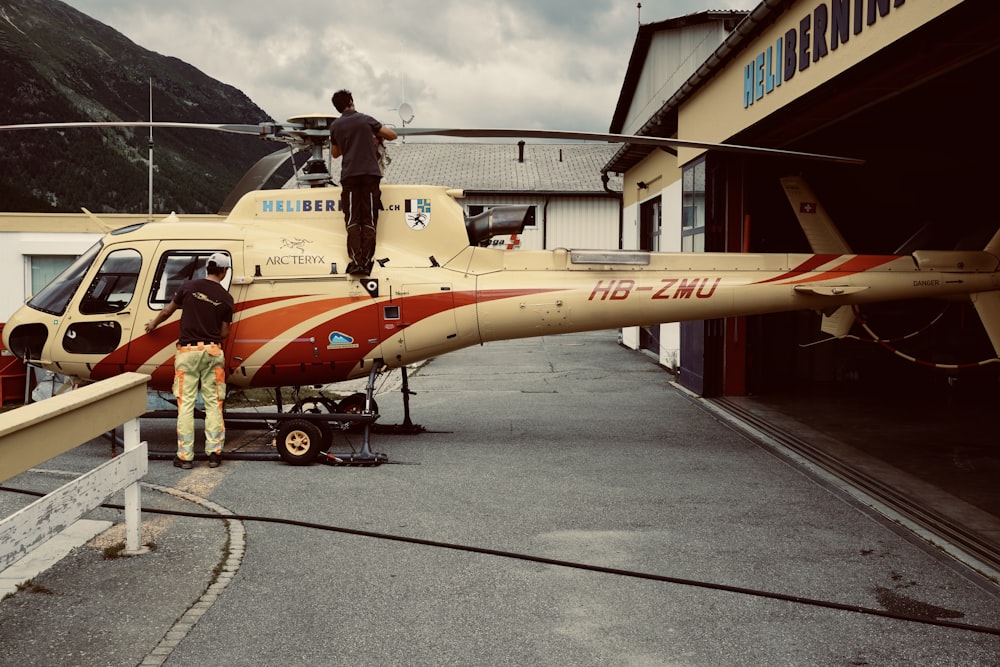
[{"x": 54, "y": 297}]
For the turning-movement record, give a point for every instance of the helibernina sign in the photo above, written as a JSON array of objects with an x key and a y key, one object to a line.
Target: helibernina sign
[{"x": 816, "y": 34}]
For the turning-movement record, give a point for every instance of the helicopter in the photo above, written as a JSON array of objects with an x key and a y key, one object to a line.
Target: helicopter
[{"x": 436, "y": 287}]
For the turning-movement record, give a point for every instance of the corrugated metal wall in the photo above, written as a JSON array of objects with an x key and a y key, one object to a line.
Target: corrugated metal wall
[
  {"x": 583, "y": 223},
  {"x": 561, "y": 222},
  {"x": 673, "y": 57}
]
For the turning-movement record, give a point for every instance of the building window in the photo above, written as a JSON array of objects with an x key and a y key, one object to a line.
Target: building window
[
  {"x": 693, "y": 220},
  {"x": 55, "y": 296},
  {"x": 44, "y": 268}
]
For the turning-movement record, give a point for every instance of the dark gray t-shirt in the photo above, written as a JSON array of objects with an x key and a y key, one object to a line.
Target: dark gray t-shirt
[
  {"x": 206, "y": 305},
  {"x": 354, "y": 133}
]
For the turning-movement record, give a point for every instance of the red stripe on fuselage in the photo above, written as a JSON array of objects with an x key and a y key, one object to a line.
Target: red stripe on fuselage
[
  {"x": 853, "y": 264},
  {"x": 138, "y": 352},
  {"x": 253, "y": 331},
  {"x": 311, "y": 361}
]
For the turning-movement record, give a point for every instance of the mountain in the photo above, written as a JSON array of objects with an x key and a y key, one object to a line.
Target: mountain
[{"x": 59, "y": 65}]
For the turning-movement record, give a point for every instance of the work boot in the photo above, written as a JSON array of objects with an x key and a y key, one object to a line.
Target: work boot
[
  {"x": 214, "y": 460},
  {"x": 179, "y": 463}
]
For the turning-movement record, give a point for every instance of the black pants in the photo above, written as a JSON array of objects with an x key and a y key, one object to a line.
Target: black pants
[{"x": 361, "y": 201}]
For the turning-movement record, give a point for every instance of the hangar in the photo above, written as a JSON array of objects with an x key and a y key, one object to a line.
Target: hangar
[{"x": 901, "y": 85}]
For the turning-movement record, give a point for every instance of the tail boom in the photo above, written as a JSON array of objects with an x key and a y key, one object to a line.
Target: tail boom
[{"x": 717, "y": 285}]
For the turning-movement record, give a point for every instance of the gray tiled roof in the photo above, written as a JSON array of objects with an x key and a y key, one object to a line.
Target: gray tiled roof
[{"x": 573, "y": 168}]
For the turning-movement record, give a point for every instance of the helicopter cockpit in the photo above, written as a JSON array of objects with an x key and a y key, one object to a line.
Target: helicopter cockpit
[{"x": 98, "y": 322}]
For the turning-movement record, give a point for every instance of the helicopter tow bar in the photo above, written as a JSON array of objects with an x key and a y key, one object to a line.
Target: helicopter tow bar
[
  {"x": 365, "y": 456},
  {"x": 304, "y": 436},
  {"x": 300, "y": 437}
]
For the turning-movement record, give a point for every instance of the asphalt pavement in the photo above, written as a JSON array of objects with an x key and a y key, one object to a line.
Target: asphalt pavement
[{"x": 566, "y": 505}]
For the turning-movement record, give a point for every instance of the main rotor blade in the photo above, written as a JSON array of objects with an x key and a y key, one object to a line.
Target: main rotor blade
[
  {"x": 220, "y": 127},
  {"x": 274, "y": 131},
  {"x": 618, "y": 138}
]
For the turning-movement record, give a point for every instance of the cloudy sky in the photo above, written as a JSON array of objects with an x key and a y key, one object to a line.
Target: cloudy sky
[{"x": 555, "y": 64}]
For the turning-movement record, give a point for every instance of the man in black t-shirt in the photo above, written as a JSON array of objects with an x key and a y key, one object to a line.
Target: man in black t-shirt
[
  {"x": 355, "y": 136},
  {"x": 199, "y": 365}
]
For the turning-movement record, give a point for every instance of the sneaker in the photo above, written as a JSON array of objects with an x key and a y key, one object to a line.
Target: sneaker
[
  {"x": 214, "y": 460},
  {"x": 178, "y": 463}
]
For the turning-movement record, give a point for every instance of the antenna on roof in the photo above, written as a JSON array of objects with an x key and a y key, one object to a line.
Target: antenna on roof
[
  {"x": 638, "y": 7},
  {"x": 405, "y": 113},
  {"x": 151, "y": 149},
  {"x": 405, "y": 110}
]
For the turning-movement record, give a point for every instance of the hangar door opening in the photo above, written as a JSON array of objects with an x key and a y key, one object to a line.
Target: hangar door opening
[
  {"x": 700, "y": 339},
  {"x": 917, "y": 116}
]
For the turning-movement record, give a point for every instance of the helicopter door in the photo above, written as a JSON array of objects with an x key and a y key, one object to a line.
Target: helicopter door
[
  {"x": 172, "y": 263},
  {"x": 426, "y": 316},
  {"x": 103, "y": 319}
]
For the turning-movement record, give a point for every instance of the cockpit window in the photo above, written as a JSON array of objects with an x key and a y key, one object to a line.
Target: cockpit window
[
  {"x": 114, "y": 285},
  {"x": 175, "y": 267},
  {"x": 54, "y": 297}
]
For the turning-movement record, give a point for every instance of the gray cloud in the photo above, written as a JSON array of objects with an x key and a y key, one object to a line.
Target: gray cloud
[{"x": 520, "y": 63}]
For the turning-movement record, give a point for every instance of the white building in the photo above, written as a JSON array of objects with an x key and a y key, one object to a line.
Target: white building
[{"x": 573, "y": 207}]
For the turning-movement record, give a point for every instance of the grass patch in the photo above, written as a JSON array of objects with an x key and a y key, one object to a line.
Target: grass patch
[
  {"x": 118, "y": 550},
  {"x": 221, "y": 565},
  {"x": 30, "y": 586}
]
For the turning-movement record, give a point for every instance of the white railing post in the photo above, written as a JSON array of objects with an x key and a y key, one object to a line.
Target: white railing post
[{"x": 133, "y": 503}]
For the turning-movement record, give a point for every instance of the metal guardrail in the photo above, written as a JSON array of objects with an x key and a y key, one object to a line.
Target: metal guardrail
[{"x": 37, "y": 432}]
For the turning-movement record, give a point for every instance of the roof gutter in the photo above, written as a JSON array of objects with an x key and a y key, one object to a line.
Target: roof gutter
[{"x": 621, "y": 207}]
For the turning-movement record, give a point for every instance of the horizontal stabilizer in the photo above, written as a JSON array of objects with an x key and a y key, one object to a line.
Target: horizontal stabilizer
[
  {"x": 839, "y": 323},
  {"x": 830, "y": 290},
  {"x": 993, "y": 247},
  {"x": 988, "y": 306}
]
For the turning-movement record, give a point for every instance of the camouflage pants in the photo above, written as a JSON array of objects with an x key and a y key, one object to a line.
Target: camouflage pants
[{"x": 199, "y": 369}]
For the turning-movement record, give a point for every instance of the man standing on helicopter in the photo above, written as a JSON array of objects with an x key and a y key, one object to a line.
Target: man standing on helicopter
[{"x": 355, "y": 136}]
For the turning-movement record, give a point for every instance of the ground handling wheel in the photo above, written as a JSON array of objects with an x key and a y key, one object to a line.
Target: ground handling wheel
[
  {"x": 299, "y": 441},
  {"x": 355, "y": 405},
  {"x": 319, "y": 405}
]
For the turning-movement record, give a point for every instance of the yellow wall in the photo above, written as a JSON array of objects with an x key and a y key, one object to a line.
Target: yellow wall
[
  {"x": 69, "y": 222},
  {"x": 659, "y": 169},
  {"x": 717, "y": 111}
]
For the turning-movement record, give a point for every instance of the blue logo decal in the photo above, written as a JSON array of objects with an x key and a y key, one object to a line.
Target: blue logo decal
[{"x": 336, "y": 338}]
